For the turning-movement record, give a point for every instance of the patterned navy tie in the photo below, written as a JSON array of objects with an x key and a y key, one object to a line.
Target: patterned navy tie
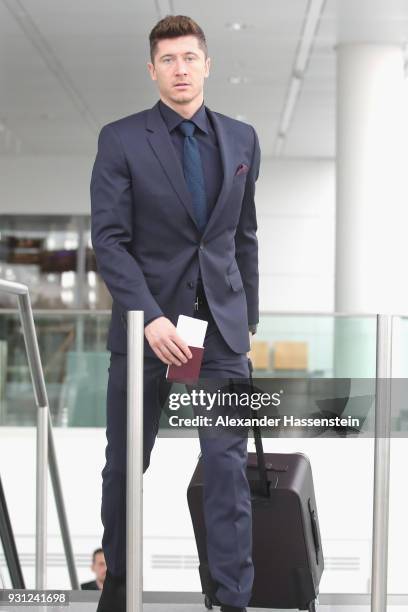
[{"x": 193, "y": 173}]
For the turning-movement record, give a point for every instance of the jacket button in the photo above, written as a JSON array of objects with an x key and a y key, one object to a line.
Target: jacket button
[{"x": 190, "y": 284}]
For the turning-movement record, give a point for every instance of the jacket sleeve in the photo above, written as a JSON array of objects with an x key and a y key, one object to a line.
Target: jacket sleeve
[
  {"x": 111, "y": 228},
  {"x": 246, "y": 242}
]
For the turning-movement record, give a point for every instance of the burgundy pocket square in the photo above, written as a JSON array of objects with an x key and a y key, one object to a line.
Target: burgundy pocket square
[{"x": 242, "y": 169}]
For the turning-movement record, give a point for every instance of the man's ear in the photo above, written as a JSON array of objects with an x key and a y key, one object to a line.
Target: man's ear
[
  {"x": 152, "y": 71},
  {"x": 207, "y": 66}
]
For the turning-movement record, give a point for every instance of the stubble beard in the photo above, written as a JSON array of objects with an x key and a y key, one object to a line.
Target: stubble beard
[
  {"x": 182, "y": 100},
  {"x": 185, "y": 98}
]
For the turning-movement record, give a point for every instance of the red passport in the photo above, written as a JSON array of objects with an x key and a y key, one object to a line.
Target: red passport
[{"x": 187, "y": 372}]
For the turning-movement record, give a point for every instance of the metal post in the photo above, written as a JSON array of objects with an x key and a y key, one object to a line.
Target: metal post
[
  {"x": 60, "y": 506},
  {"x": 33, "y": 355},
  {"x": 41, "y": 499},
  {"x": 134, "y": 497},
  {"x": 381, "y": 464},
  {"x": 81, "y": 280}
]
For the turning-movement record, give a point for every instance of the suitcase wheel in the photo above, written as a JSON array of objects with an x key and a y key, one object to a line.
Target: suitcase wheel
[{"x": 208, "y": 602}]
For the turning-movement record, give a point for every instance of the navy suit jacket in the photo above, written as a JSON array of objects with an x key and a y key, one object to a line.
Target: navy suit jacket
[{"x": 147, "y": 244}]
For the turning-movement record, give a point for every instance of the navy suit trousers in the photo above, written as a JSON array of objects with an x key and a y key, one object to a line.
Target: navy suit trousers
[{"x": 227, "y": 500}]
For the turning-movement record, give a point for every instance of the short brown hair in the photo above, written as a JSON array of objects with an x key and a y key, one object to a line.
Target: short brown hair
[
  {"x": 96, "y": 552},
  {"x": 173, "y": 26}
]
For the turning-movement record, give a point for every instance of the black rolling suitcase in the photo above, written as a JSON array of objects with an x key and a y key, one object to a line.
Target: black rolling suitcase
[{"x": 287, "y": 552}]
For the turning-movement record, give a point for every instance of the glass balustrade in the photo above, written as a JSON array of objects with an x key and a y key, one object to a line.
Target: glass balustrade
[{"x": 325, "y": 366}]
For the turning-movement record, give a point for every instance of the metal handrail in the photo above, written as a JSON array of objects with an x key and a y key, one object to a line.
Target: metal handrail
[
  {"x": 45, "y": 445},
  {"x": 9, "y": 545},
  {"x": 134, "y": 485},
  {"x": 262, "y": 313}
]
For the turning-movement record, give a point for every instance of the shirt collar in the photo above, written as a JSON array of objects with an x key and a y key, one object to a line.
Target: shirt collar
[{"x": 172, "y": 119}]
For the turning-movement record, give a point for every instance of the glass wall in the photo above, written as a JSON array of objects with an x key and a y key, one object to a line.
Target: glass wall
[{"x": 53, "y": 256}]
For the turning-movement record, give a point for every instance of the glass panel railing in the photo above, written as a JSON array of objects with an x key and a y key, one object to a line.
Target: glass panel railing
[
  {"x": 68, "y": 345},
  {"x": 326, "y": 365},
  {"x": 72, "y": 347},
  {"x": 315, "y": 345},
  {"x": 75, "y": 363}
]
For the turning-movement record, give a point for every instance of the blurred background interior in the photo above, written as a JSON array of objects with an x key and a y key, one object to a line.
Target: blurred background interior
[{"x": 324, "y": 84}]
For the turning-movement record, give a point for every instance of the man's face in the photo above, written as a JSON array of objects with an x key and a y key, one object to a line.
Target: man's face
[
  {"x": 99, "y": 566},
  {"x": 179, "y": 68}
]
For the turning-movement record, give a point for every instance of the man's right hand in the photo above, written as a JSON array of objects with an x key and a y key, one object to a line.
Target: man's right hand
[{"x": 164, "y": 340}]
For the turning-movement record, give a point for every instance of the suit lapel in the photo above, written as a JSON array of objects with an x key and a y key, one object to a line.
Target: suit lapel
[
  {"x": 225, "y": 141},
  {"x": 160, "y": 141}
]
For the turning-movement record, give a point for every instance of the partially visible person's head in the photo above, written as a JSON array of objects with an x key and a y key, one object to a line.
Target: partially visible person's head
[
  {"x": 98, "y": 564},
  {"x": 179, "y": 59}
]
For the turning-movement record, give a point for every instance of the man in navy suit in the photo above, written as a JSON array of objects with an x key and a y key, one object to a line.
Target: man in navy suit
[{"x": 174, "y": 232}]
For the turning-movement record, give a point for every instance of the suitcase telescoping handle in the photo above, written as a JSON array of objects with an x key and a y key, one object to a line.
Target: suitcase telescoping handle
[{"x": 263, "y": 475}]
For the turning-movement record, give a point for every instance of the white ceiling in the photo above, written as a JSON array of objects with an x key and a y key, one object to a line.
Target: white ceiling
[{"x": 68, "y": 67}]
